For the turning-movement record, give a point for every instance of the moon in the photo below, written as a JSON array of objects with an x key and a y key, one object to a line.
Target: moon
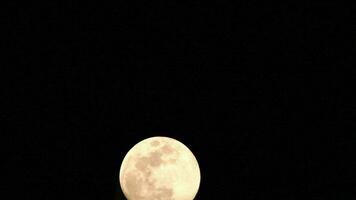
[{"x": 159, "y": 168}]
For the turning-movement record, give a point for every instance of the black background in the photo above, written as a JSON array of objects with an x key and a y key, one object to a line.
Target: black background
[{"x": 262, "y": 93}]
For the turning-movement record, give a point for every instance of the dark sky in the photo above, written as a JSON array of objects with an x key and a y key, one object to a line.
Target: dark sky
[{"x": 262, "y": 93}]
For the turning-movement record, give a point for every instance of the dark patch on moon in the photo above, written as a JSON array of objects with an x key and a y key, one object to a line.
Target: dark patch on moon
[
  {"x": 167, "y": 149},
  {"x": 163, "y": 194},
  {"x": 155, "y": 143},
  {"x": 133, "y": 185},
  {"x": 143, "y": 164},
  {"x": 155, "y": 159}
]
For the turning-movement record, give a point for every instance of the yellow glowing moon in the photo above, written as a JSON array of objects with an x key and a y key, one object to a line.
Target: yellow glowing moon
[{"x": 159, "y": 168}]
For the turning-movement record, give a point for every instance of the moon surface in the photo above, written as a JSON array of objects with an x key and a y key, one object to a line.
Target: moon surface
[{"x": 159, "y": 168}]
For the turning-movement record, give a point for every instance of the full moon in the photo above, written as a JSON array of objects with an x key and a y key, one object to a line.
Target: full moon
[{"x": 159, "y": 168}]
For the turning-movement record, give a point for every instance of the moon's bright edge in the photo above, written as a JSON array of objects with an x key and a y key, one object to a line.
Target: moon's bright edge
[{"x": 159, "y": 168}]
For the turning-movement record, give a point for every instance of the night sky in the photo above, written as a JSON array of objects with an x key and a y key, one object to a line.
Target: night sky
[{"x": 262, "y": 94}]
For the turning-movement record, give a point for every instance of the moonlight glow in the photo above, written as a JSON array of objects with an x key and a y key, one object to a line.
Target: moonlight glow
[{"x": 160, "y": 168}]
